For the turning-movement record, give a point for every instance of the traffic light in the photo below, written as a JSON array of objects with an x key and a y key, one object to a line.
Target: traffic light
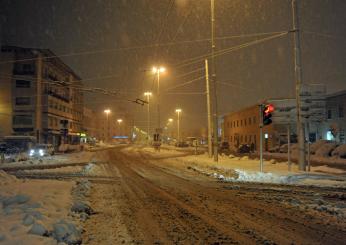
[{"x": 267, "y": 114}]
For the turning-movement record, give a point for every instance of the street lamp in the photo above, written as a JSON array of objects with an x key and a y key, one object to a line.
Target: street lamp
[
  {"x": 170, "y": 120},
  {"x": 157, "y": 71},
  {"x": 178, "y": 111},
  {"x": 148, "y": 94},
  {"x": 107, "y": 111}
]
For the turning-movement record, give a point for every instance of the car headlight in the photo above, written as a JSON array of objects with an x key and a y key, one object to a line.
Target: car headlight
[
  {"x": 41, "y": 152},
  {"x": 32, "y": 152}
]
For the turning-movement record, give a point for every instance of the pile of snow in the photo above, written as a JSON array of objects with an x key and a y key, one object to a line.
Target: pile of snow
[
  {"x": 244, "y": 176},
  {"x": 340, "y": 151},
  {"x": 316, "y": 145},
  {"x": 325, "y": 150},
  {"x": 6, "y": 179},
  {"x": 69, "y": 148},
  {"x": 32, "y": 210}
]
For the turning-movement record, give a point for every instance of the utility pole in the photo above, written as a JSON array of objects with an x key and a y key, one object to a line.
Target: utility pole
[
  {"x": 298, "y": 79},
  {"x": 213, "y": 75},
  {"x": 158, "y": 101},
  {"x": 210, "y": 150},
  {"x": 148, "y": 130},
  {"x": 148, "y": 94}
]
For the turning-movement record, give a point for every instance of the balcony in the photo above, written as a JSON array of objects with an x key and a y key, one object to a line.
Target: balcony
[{"x": 58, "y": 96}]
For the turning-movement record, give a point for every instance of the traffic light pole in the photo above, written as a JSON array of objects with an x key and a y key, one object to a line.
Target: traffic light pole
[{"x": 261, "y": 135}]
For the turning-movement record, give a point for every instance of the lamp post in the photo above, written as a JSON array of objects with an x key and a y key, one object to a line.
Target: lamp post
[
  {"x": 148, "y": 94},
  {"x": 107, "y": 111},
  {"x": 157, "y": 71},
  {"x": 178, "y": 111}
]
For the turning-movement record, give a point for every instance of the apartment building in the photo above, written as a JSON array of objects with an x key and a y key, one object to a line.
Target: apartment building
[{"x": 46, "y": 99}]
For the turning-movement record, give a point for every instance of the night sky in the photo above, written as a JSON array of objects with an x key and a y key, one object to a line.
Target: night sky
[{"x": 99, "y": 30}]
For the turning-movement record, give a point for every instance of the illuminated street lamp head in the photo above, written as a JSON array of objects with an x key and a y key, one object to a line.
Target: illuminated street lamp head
[
  {"x": 147, "y": 94},
  {"x": 170, "y": 120},
  {"x": 158, "y": 69},
  {"x": 178, "y": 110},
  {"x": 119, "y": 120},
  {"x": 107, "y": 111}
]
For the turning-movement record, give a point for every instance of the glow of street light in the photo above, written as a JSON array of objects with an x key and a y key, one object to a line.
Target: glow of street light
[
  {"x": 119, "y": 120},
  {"x": 107, "y": 111},
  {"x": 178, "y": 110},
  {"x": 158, "y": 69},
  {"x": 170, "y": 120},
  {"x": 147, "y": 94}
]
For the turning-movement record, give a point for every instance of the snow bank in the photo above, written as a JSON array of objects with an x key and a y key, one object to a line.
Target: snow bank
[
  {"x": 316, "y": 145},
  {"x": 325, "y": 150},
  {"x": 244, "y": 176},
  {"x": 340, "y": 151},
  {"x": 29, "y": 210}
]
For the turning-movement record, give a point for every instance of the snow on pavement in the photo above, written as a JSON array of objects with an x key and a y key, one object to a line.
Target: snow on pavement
[{"x": 244, "y": 169}]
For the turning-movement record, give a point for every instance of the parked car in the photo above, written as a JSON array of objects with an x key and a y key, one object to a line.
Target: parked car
[
  {"x": 244, "y": 149},
  {"x": 41, "y": 150}
]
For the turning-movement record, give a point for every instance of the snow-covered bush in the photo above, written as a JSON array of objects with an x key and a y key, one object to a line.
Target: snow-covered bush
[{"x": 340, "y": 151}]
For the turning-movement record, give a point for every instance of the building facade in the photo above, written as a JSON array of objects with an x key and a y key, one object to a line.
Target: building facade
[
  {"x": 46, "y": 96},
  {"x": 335, "y": 124},
  {"x": 242, "y": 127},
  {"x": 323, "y": 117}
]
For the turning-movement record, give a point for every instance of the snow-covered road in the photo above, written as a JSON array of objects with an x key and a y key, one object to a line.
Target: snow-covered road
[{"x": 157, "y": 199}]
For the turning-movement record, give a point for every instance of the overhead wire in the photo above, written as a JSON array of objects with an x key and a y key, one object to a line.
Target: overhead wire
[
  {"x": 228, "y": 50},
  {"x": 137, "y": 47},
  {"x": 185, "y": 83},
  {"x": 326, "y": 35}
]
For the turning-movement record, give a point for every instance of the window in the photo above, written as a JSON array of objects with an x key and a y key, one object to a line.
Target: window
[
  {"x": 23, "y": 101},
  {"x": 254, "y": 120},
  {"x": 233, "y": 124},
  {"x": 23, "y": 84},
  {"x": 329, "y": 114},
  {"x": 241, "y": 122},
  {"x": 341, "y": 111},
  {"x": 237, "y": 123},
  {"x": 230, "y": 139},
  {"x": 22, "y": 120},
  {"x": 245, "y": 121},
  {"x": 249, "y": 120}
]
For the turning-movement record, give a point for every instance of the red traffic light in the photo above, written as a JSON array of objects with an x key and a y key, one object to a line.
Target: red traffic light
[{"x": 268, "y": 109}]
